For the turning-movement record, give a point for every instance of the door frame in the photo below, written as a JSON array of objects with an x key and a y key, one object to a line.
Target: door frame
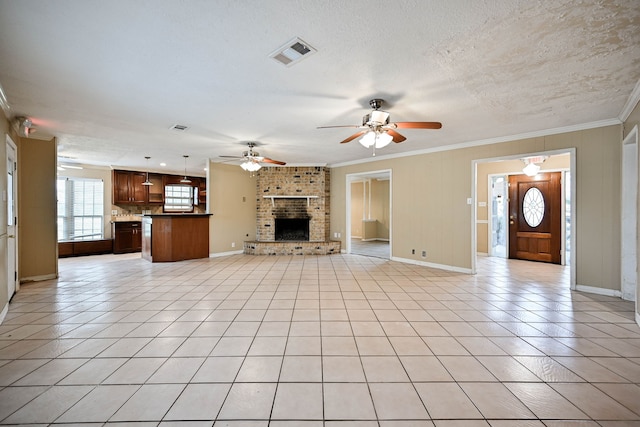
[
  {"x": 629, "y": 218},
  {"x": 474, "y": 198},
  {"x": 352, "y": 177},
  {"x": 9, "y": 143}
]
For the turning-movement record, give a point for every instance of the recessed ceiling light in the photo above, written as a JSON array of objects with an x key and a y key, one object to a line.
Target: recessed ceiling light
[
  {"x": 292, "y": 52},
  {"x": 163, "y": 164}
]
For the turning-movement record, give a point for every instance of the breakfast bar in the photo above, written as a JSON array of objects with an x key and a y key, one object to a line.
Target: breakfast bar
[{"x": 175, "y": 237}]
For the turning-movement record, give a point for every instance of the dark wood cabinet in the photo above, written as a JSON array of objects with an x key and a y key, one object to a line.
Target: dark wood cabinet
[
  {"x": 128, "y": 188},
  {"x": 156, "y": 191},
  {"x": 127, "y": 236}
]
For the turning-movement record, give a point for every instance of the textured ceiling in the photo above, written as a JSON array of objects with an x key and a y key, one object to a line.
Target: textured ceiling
[{"x": 109, "y": 78}]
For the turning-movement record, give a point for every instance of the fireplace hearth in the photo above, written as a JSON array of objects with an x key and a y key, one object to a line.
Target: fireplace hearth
[{"x": 292, "y": 230}]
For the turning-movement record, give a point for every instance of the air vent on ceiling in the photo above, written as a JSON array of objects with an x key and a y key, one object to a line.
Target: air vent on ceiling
[
  {"x": 179, "y": 127},
  {"x": 292, "y": 52}
]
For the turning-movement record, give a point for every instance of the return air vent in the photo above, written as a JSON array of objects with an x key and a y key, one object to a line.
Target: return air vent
[
  {"x": 292, "y": 52},
  {"x": 180, "y": 128}
]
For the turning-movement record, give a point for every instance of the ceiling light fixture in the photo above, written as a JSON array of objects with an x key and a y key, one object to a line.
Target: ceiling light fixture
[
  {"x": 532, "y": 166},
  {"x": 375, "y": 139},
  {"x": 251, "y": 166},
  {"x": 147, "y": 182},
  {"x": 185, "y": 180}
]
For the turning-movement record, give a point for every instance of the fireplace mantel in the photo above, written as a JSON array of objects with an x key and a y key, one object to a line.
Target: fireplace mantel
[{"x": 273, "y": 202}]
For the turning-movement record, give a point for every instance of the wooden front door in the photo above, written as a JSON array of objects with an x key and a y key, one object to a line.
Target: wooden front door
[{"x": 535, "y": 217}]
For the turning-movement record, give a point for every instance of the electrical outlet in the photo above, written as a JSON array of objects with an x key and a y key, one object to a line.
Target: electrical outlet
[
  {"x": 424, "y": 254},
  {"x": 233, "y": 244},
  {"x": 413, "y": 251},
  {"x": 114, "y": 212},
  {"x": 339, "y": 235}
]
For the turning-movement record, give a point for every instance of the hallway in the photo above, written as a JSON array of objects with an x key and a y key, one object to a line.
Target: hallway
[{"x": 335, "y": 341}]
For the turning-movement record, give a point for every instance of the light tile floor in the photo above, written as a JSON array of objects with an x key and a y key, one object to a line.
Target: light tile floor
[
  {"x": 331, "y": 341},
  {"x": 371, "y": 248}
]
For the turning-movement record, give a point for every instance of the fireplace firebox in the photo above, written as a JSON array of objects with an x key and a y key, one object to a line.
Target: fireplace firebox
[{"x": 292, "y": 229}]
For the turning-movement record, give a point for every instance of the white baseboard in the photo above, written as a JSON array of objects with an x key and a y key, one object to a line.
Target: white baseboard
[
  {"x": 38, "y": 278},
  {"x": 219, "y": 254},
  {"x": 356, "y": 237},
  {"x": 599, "y": 291},
  {"x": 4, "y": 312},
  {"x": 433, "y": 265}
]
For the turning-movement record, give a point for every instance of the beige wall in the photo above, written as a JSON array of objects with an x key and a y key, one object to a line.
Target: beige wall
[
  {"x": 96, "y": 173},
  {"x": 434, "y": 216},
  {"x": 357, "y": 197},
  {"x": 506, "y": 167},
  {"x": 232, "y": 201},
  {"x": 380, "y": 207},
  {"x": 37, "y": 229}
]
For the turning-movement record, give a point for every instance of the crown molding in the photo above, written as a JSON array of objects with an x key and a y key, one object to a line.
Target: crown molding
[{"x": 632, "y": 101}]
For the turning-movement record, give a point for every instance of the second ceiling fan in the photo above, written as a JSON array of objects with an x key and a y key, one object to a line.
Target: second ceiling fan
[
  {"x": 378, "y": 131},
  {"x": 252, "y": 159}
]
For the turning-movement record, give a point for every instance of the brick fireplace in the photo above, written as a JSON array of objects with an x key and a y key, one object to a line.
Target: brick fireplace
[{"x": 293, "y": 209}]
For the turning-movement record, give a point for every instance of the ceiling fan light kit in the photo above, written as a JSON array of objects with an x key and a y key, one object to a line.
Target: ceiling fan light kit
[
  {"x": 251, "y": 160},
  {"x": 378, "y": 131}
]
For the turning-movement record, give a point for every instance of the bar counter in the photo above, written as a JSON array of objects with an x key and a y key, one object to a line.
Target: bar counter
[{"x": 175, "y": 237}]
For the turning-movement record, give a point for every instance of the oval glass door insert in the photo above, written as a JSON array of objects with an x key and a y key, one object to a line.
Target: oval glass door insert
[{"x": 533, "y": 207}]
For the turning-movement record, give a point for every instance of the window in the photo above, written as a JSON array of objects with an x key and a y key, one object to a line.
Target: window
[
  {"x": 80, "y": 209},
  {"x": 178, "y": 198}
]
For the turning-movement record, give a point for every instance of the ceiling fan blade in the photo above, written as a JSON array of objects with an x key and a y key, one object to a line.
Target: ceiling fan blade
[
  {"x": 232, "y": 157},
  {"x": 396, "y": 136},
  {"x": 354, "y": 136},
  {"x": 418, "y": 125},
  {"x": 338, "y": 126},
  {"x": 275, "y": 162}
]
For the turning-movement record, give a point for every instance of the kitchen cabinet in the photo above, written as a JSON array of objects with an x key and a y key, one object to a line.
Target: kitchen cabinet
[
  {"x": 156, "y": 191},
  {"x": 127, "y": 236},
  {"x": 128, "y": 188}
]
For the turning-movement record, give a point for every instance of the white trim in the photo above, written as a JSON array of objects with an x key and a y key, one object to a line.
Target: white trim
[
  {"x": 638, "y": 318},
  {"x": 631, "y": 103},
  {"x": 510, "y": 138},
  {"x": 482, "y": 221},
  {"x": 39, "y": 278},
  {"x": 433, "y": 265},
  {"x": 380, "y": 239},
  {"x": 220, "y": 254},
  {"x": 629, "y": 216},
  {"x": 599, "y": 291},
  {"x": 4, "y": 312}
]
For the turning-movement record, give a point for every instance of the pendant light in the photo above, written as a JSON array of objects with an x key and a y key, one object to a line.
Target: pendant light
[
  {"x": 185, "y": 180},
  {"x": 147, "y": 182}
]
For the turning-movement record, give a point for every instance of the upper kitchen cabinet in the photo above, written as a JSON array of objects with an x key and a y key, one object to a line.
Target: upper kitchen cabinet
[{"x": 128, "y": 188}]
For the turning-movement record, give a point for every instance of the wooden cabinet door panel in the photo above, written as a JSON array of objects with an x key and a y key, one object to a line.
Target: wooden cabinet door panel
[{"x": 137, "y": 191}]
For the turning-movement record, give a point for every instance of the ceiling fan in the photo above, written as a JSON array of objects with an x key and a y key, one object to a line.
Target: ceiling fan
[
  {"x": 252, "y": 159},
  {"x": 378, "y": 131}
]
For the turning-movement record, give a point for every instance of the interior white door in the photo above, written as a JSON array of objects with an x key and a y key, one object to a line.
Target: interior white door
[{"x": 11, "y": 192}]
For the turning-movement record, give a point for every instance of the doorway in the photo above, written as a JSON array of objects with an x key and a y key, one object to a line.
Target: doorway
[
  {"x": 369, "y": 214},
  {"x": 12, "y": 215},
  {"x": 490, "y": 223}
]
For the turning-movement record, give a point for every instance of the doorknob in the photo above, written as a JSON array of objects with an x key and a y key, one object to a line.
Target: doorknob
[{"x": 512, "y": 220}]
